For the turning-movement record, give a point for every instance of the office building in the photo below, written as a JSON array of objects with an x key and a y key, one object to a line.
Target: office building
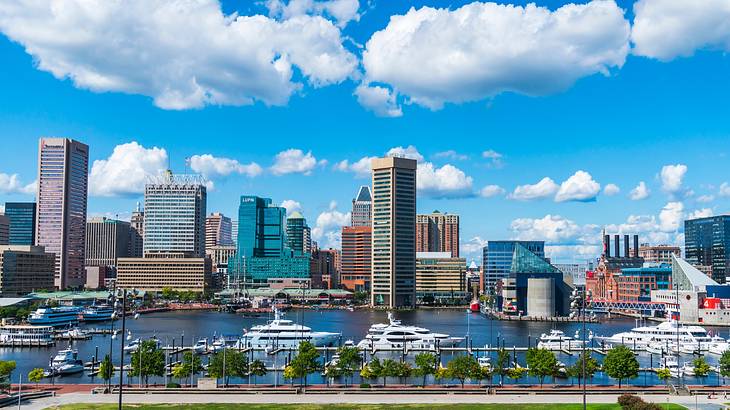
[
  {"x": 22, "y": 222},
  {"x": 4, "y": 230},
  {"x": 136, "y": 234},
  {"x": 174, "y": 215},
  {"x": 106, "y": 241},
  {"x": 234, "y": 232},
  {"x": 497, "y": 260},
  {"x": 218, "y": 230},
  {"x": 178, "y": 272},
  {"x": 298, "y": 234},
  {"x": 63, "y": 169},
  {"x": 658, "y": 253},
  {"x": 219, "y": 256},
  {"x": 394, "y": 232},
  {"x": 707, "y": 243},
  {"x": 357, "y": 246},
  {"x": 437, "y": 232},
  {"x": 440, "y": 278},
  {"x": 362, "y": 207},
  {"x": 97, "y": 277},
  {"x": 25, "y": 269},
  {"x": 324, "y": 268}
]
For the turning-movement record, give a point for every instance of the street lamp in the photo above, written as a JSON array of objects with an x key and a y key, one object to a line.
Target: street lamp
[
  {"x": 123, "y": 298},
  {"x": 580, "y": 302}
]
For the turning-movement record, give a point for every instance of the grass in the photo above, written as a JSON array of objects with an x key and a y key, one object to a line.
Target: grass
[{"x": 241, "y": 406}]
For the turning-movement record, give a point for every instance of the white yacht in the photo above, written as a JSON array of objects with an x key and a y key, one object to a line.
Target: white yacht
[
  {"x": 670, "y": 362},
  {"x": 718, "y": 348},
  {"x": 55, "y": 316},
  {"x": 396, "y": 336},
  {"x": 556, "y": 339},
  {"x": 669, "y": 331},
  {"x": 662, "y": 348},
  {"x": 66, "y": 362},
  {"x": 283, "y": 333}
]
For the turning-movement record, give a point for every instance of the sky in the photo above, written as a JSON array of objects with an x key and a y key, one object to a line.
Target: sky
[{"x": 543, "y": 121}]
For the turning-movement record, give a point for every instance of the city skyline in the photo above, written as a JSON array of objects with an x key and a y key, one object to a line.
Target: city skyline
[{"x": 600, "y": 139}]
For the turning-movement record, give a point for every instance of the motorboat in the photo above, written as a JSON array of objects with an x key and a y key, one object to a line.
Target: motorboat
[
  {"x": 133, "y": 345},
  {"x": 557, "y": 340},
  {"x": 718, "y": 348},
  {"x": 284, "y": 333},
  {"x": 201, "y": 346},
  {"x": 97, "y": 313},
  {"x": 670, "y": 362},
  {"x": 689, "y": 348},
  {"x": 396, "y": 336},
  {"x": 223, "y": 341},
  {"x": 669, "y": 331},
  {"x": 55, "y": 316},
  {"x": 661, "y": 348},
  {"x": 688, "y": 369},
  {"x": 66, "y": 362},
  {"x": 75, "y": 334},
  {"x": 484, "y": 361}
]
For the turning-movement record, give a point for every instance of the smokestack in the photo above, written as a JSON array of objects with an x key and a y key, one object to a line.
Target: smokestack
[
  {"x": 626, "y": 246},
  {"x": 636, "y": 246},
  {"x": 607, "y": 245},
  {"x": 617, "y": 245}
]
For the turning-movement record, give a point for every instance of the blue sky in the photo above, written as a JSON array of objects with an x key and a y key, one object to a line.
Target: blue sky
[{"x": 603, "y": 88}]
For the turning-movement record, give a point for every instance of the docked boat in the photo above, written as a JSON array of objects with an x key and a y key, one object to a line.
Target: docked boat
[
  {"x": 718, "y": 348},
  {"x": 74, "y": 334},
  {"x": 201, "y": 346},
  {"x": 395, "y": 336},
  {"x": 283, "y": 333},
  {"x": 669, "y": 331},
  {"x": 661, "y": 348},
  {"x": 670, "y": 362},
  {"x": 55, "y": 316},
  {"x": 484, "y": 362},
  {"x": 134, "y": 345},
  {"x": 557, "y": 340},
  {"x": 66, "y": 362},
  {"x": 96, "y": 313},
  {"x": 26, "y": 335},
  {"x": 688, "y": 369}
]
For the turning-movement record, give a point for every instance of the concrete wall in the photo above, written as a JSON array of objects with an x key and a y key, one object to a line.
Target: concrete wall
[{"x": 540, "y": 297}]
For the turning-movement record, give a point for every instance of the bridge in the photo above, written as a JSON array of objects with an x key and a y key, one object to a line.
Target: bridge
[{"x": 605, "y": 306}]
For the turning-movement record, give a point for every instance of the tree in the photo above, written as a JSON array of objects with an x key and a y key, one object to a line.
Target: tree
[
  {"x": 349, "y": 362},
  {"x": 664, "y": 374},
  {"x": 388, "y": 369},
  {"x": 701, "y": 368},
  {"x": 152, "y": 360},
  {"x": 367, "y": 373},
  {"x": 6, "y": 370},
  {"x": 35, "y": 376},
  {"x": 168, "y": 293},
  {"x": 620, "y": 363},
  {"x": 462, "y": 368},
  {"x": 725, "y": 364},
  {"x": 481, "y": 373},
  {"x": 441, "y": 373},
  {"x": 256, "y": 368},
  {"x": 426, "y": 364},
  {"x": 190, "y": 365},
  {"x": 576, "y": 370},
  {"x": 290, "y": 374},
  {"x": 106, "y": 369},
  {"x": 516, "y": 373},
  {"x": 236, "y": 365},
  {"x": 305, "y": 362},
  {"x": 541, "y": 363},
  {"x": 502, "y": 365},
  {"x": 404, "y": 371}
]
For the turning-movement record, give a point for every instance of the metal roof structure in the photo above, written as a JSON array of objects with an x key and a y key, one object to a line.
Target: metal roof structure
[{"x": 687, "y": 277}]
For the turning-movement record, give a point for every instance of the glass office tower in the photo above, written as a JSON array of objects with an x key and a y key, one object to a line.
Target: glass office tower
[
  {"x": 707, "y": 245},
  {"x": 22, "y": 222},
  {"x": 497, "y": 260}
]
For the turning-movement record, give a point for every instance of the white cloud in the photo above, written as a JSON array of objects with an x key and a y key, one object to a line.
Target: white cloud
[
  {"x": 10, "y": 184},
  {"x": 379, "y": 100},
  {"x": 553, "y": 229},
  {"x": 451, "y": 154},
  {"x": 343, "y": 11},
  {"x": 700, "y": 213},
  {"x": 445, "y": 182},
  {"x": 291, "y": 206},
  {"x": 126, "y": 170},
  {"x": 483, "y": 49},
  {"x": 579, "y": 187},
  {"x": 611, "y": 190},
  {"x": 572, "y": 253},
  {"x": 671, "y": 217},
  {"x": 724, "y": 190},
  {"x": 183, "y": 54},
  {"x": 639, "y": 192},
  {"x": 473, "y": 247},
  {"x": 543, "y": 189},
  {"x": 666, "y": 29},
  {"x": 490, "y": 191},
  {"x": 361, "y": 167},
  {"x": 327, "y": 230},
  {"x": 705, "y": 198},
  {"x": 210, "y": 166},
  {"x": 294, "y": 161},
  {"x": 407, "y": 152},
  {"x": 672, "y": 177},
  {"x": 494, "y": 157}
]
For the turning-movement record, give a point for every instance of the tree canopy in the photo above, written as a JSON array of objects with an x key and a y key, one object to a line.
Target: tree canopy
[
  {"x": 541, "y": 363},
  {"x": 147, "y": 360},
  {"x": 620, "y": 363},
  {"x": 305, "y": 362},
  {"x": 228, "y": 363},
  {"x": 463, "y": 367},
  {"x": 426, "y": 365}
]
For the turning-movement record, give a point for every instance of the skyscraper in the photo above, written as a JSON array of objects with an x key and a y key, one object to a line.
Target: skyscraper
[
  {"x": 357, "y": 255},
  {"x": 394, "y": 232},
  {"x": 22, "y": 222},
  {"x": 362, "y": 207},
  {"x": 298, "y": 233},
  {"x": 4, "y": 230},
  {"x": 217, "y": 230},
  {"x": 106, "y": 241},
  {"x": 63, "y": 169},
  {"x": 707, "y": 245},
  {"x": 136, "y": 234},
  {"x": 437, "y": 232},
  {"x": 174, "y": 215}
]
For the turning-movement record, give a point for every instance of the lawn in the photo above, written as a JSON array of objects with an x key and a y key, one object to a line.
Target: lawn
[{"x": 242, "y": 406}]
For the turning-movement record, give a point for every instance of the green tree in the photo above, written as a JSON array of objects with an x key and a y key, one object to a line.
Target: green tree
[
  {"x": 6, "y": 371},
  {"x": 190, "y": 365},
  {"x": 576, "y": 370},
  {"x": 290, "y": 374},
  {"x": 620, "y": 363},
  {"x": 426, "y": 365},
  {"x": 725, "y": 364},
  {"x": 516, "y": 373},
  {"x": 349, "y": 362},
  {"x": 501, "y": 365},
  {"x": 481, "y": 373},
  {"x": 541, "y": 363},
  {"x": 305, "y": 362},
  {"x": 236, "y": 365},
  {"x": 701, "y": 368},
  {"x": 168, "y": 294},
  {"x": 404, "y": 371},
  {"x": 367, "y": 372},
  {"x": 150, "y": 358},
  {"x": 441, "y": 373},
  {"x": 462, "y": 368},
  {"x": 256, "y": 368},
  {"x": 664, "y": 374},
  {"x": 389, "y": 368},
  {"x": 35, "y": 375},
  {"x": 106, "y": 369}
]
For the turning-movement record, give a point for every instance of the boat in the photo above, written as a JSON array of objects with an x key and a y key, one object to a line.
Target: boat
[
  {"x": 55, "y": 316},
  {"x": 66, "y": 362},
  {"x": 670, "y": 362},
  {"x": 557, "y": 340},
  {"x": 96, "y": 313},
  {"x": 689, "y": 348},
  {"x": 201, "y": 346},
  {"x": 688, "y": 369},
  {"x": 669, "y": 331},
  {"x": 484, "y": 362},
  {"x": 75, "y": 334},
  {"x": 395, "y": 336},
  {"x": 283, "y": 333},
  {"x": 657, "y": 347},
  {"x": 26, "y": 335},
  {"x": 133, "y": 345},
  {"x": 718, "y": 348}
]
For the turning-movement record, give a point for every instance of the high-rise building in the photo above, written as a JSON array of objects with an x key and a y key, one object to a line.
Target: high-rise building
[
  {"x": 440, "y": 278},
  {"x": 362, "y": 207},
  {"x": 25, "y": 269},
  {"x": 324, "y": 267},
  {"x": 22, "y": 222},
  {"x": 234, "y": 232},
  {"x": 136, "y": 234},
  {"x": 106, "y": 241},
  {"x": 394, "y": 232},
  {"x": 174, "y": 215},
  {"x": 217, "y": 230},
  {"x": 659, "y": 253},
  {"x": 298, "y": 233},
  {"x": 63, "y": 170},
  {"x": 497, "y": 260},
  {"x": 357, "y": 247},
  {"x": 707, "y": 243},
  {"x": 437, "y": 232},
  {"x": 4, "y": 230}
]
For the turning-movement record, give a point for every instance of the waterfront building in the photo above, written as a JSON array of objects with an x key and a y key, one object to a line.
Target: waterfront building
[
  {"x": 540, "y": 289},
  {"x": 176, "y": 271},
  {"x": 298, "y": 234},
  {"x": 4, "y": 230},
  {"x": 22, "y": 222},
  {"x": 576, "y": 270},
  {"x": 362, "y": 207},
  {"x": 474, "y": 278},
  {"x": 63, "y": 171},
  {"x": 25, "y": 269},
  {"x": 174, "y": 215},
  {"x": 601, "y": 281},
  {"x": 658, "y": 253},
  {"x": 497, "y": 260},
  {"x": 707, "y": 243},
  {"x": 437, "y": 232},
  {"x": 106, "y": 241},
  {"x": 97, "y": 277},
  {"x": 219, "y": 256},
  {"x": 325, "y": 268},
  {"x": 636, "y": 284},
  {"x": 356, "y": 273},
  {"x": 440, "y": 278},
  {"x": 218, "y": 230},
  {"x": 394, "y": 232},
  {"x": 136, "y": 234}
]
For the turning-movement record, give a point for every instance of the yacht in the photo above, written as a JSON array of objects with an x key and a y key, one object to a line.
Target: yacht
[
  {"x": 26, "y": 335},
  {"x": 133, "y": 345},
  {"x": 669, "y": 331},
  {"x": 670, "y": 362},
  {"x": 97, "y": 313},
  {"x": 283, "y": 333},
  {"x": 657, "y": 347},
  {"x": 201, "y": 346},
  {"x": 718, "y": 348},
  {"x": 55, "y": 316},
  {"x": 556, "y": 339},
  {"x": 66, "y": 362},
  {"x": 394, "y": 335}
]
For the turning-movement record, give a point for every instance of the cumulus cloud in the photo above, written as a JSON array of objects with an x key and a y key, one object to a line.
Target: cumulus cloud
[
  {"x": 473, "y": 247},
  {"x": 444, "y": 182},
  {"x": 573, "y": 253},
  {"x": 380, "y": 100},
  {"x": 343, "y": 11},
  {"x": 724, "y": 190},
  {"x": 494, "y": 157},
  {"x": 126, "y": 170},
  {"x": 490, "y": 191},
  {"x": 327, "y": 230},
  {"x": 700, "y": 213},
  {"x": 639, "y": 192},
  {"x": 666, "y": 29},
  {"x": 671, "y": 216},
  {"x": 436, "y": 56},
  {"x": 10, "y": 184},
  {"x": 294, "y": 161},
  {"x": 672, "y": 177},
  {"x": 361, "y": 167},
  {"x": 611, "y": 190},
  {"x": 543, "y": 189},
  {"x": 451, "y": 154},
  {"x": 210, "y": 166},
  {"x": 553, "y": 229},
  {"x": 291, "y": 206},
  {"x": 579, "y": 187},
  {"x": 407, "y": 152},
  {"x": 183, "y": 54}
]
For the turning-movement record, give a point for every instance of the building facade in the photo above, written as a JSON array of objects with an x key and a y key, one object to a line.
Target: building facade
[
  {"x": 437, "y": 232},
  {"x": 25, "y": 269},
  {"x": 219, "y": 256},
  {"x": 106, "y": 241},
  {"x": 155, "y": 273},
  {"x": 497, "y": 260},
  {"x": 659, "y": 253},
  {"x": 362, "y": 207},
  {"x": 356, "y": 274},
  {"x": 4, "y": 230},
  {"x": 394, "y": 232},
  {"x": 707, "y": 243},
  {"x": 63, "y": 169},
  {"x": 325, "y": 268},
  {"x": 174, "y": 215},
  {"x": 218, "y": 230},
  {"x": 440, "y": 278},
  {"x": 298, "y": 234},
  {"x": 22, "y": 222},
  {"x": 136, "y": 234}
]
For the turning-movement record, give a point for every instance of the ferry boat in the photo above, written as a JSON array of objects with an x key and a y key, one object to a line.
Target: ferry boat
[
  {"x": 283, "y": 333},
  {"x": 395, "y": 336},
  {"x": 66, "y": 362},
  {"x": 26, "y": 335},
  {"x": 669, "y": 331},
  {"x": 556, "y": 339},
  {"x": 55, "y": 316},
  {"x": 97, "y": 313}
]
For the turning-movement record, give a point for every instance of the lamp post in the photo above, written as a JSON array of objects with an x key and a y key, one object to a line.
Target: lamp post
[
  {"x": 121, "y": 342},
  {"x": 581, "y": 299}
]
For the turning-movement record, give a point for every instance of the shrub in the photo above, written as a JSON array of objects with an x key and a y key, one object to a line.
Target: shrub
[
  {"x": 364, "y": 385},
  {"x": 172, "y": 385},
  {"x": 632, "y": 402}
]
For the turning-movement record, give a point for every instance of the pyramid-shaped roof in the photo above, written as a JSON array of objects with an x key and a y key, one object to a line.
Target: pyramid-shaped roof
[
  {"x": 687, "y": 277},
  {"x": 296, "y": 215},
  {"x": 363, "y": 195},
  {"x": 524, "y": 261}
]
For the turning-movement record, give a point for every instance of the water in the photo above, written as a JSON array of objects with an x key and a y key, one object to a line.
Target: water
[{"x": 189, "y": 326}]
